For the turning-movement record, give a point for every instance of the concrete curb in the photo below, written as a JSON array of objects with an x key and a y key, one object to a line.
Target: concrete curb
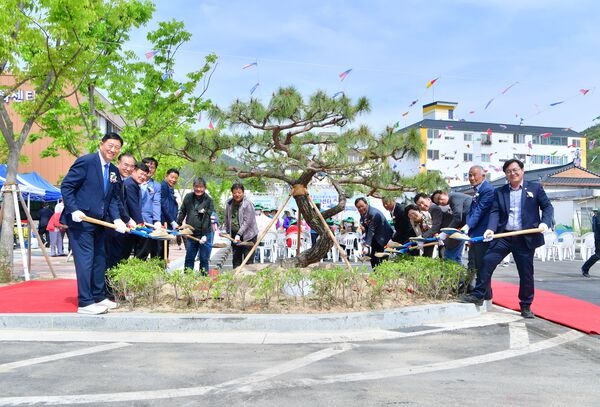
[{"x": 386, "y": 319}]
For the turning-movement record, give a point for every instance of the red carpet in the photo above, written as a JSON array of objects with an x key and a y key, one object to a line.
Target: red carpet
[
  {"x": 39, "y": 296},
  {"x": 560, "y": 309}
]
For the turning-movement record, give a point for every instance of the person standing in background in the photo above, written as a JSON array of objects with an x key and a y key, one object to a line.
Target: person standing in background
[
  {"x": 44, "y": 215},
  {"x": 585, "y": 269},
  {"x": 55, "y": 229}
]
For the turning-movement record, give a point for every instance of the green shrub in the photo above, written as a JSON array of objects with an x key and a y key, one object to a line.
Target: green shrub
[{"x": 137, "y": 279}]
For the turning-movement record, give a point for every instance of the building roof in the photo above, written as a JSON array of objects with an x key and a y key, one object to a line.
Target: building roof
[
  {"x": 483, "y": 127},
  {"x": 568, "y": 175}
]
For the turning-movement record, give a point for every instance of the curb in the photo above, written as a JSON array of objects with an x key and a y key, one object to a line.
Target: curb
[{"x": 138, "y": 322}]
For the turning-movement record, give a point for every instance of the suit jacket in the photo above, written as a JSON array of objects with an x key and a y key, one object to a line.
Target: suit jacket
[
  {"x": 168, "y": 203},
  {"x": 441, "y": 217},
  {"x": 459, "y": 204},
  {"x": 151, "y": 202},
  {"x": 403, "y": 228},
  {"x": 533, "y": 200},
  {"x": 119, "y": 191},
  {"x": 376, "y": 227},
  {"x": 478, "y": 215},
  {"x": 83, "y": 189},
  {"x": 133, "y": 200}
]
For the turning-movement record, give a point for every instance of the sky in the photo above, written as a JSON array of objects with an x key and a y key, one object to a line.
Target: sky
[{"x": 502, "y": 61}]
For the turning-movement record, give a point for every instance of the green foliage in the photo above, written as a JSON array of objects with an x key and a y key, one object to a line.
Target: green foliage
[
  {"x": 5, "y": 266},
  {"x": 266, "y": 283},
  {"x": 430, "y": 278},
  {"x": 593, "y": 162},
  {"x": 135, "y": 279}
]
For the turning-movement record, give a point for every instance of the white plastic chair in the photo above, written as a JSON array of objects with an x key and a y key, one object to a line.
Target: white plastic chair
[
  {"x": 550, "y": 248},
  {"x": 566, "y": 246},
  {"x": 350, "y": 242},
  {"x": 588, "y": 247},
  {"x": 268, "y": 245},
  {"x": 582, "y": 246}
]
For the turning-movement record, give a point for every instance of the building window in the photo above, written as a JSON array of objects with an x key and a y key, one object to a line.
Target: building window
[
  {"x": 519, "y": 138},
  {"x": 468, "y": 136},
  {"x": 520, "y": 157},
  {"x": 433, "y": 154},
  {"x": 551, "y": 140},
  {"x": 485, "y": 158},
  {"x": 468, "y": 157},
  {"x": 451, "y": 114},
  {"x": 576, "y": 142},
  {"x": 433, "y": 133},
  {"x": 486, "y": 139}
]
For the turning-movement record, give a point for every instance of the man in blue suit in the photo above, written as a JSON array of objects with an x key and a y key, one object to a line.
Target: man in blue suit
[
  {"x": 377, "y": 232},
  {"x": 478, "y": 217},
  {"x": 88, "y": 190},
  {"x": 516, "y": 206}
]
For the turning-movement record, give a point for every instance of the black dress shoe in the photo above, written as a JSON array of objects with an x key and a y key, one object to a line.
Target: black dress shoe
[
  {"x": 471, "y": 299},
  {"x": 526, "y": 313},
  {"x": 585, "y": 273}
]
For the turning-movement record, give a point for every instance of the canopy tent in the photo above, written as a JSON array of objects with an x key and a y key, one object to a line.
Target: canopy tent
[{"x": 33, "y": 186}]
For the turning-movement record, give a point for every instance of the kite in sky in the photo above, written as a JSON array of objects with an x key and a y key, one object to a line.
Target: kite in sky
[
  {"x": 344, "y": 74},
  {"x": 431, "y": 82},
  {"x": 249, "y": 65},
  {"x": 150, "y": 54},
  {"x": 254, "y": 88}
]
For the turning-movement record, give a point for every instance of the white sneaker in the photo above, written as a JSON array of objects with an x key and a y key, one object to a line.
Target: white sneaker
[
  {"x": 92, "y": 309},
  {"x": 487, "y": 304},
  {"x": 108, "y": 303}
]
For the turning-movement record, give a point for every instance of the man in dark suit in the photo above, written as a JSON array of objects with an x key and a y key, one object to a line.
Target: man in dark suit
[
  {"x": 377, "y": 232},
  {"x": 403, "y": 230},
  {"x": 516, "y": 206},
  {"x": 477, "y": 219},
  {"x": 133, "y": 205},
  {"x": 44, "y": 214},
  {"x": 458, "y": 205},
  {"x": 87, "y": 190}
]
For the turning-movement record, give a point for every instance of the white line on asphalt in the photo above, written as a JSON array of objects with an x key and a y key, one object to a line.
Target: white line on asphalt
[
  {"x": 228, "y": 386},
  {"x": 519, "y": 337},
  {"x": 43, "y": 359},
  {"x": 412, "y": 370}
]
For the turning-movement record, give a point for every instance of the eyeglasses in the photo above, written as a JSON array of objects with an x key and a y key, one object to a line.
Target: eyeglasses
[{"x": 512, "y": 171}]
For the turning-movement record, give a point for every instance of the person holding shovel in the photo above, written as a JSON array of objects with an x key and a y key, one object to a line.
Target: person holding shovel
[
  {"x": 240, "y": 222},
  {"x": 516, "y": 207}
]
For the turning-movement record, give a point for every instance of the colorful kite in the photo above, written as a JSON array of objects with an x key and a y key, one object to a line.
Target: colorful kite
[
  {"x": 344, "y": 74},
  {"x": 254, "y": 88},
  {"x": 431, "y": 82},
  {"x": 546, "y": 135},
  {"x": 584, "y": 91},
  {"x": 150, "y": 54}
]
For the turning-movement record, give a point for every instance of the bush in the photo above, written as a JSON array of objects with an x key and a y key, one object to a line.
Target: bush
[{"x": 135, "y": 279}]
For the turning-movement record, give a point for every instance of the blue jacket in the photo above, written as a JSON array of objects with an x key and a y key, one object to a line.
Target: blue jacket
[
  {"x": 533, "y": 199},
  {"x": 478, "y": 215},
  {"x": 83, "y": 189},
  {"x": 133, "y": 200},
  {"x": 168, "y": 203}
]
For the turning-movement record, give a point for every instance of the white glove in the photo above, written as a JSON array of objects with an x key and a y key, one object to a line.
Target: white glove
[
  {"x": 465, "y": 229},
  {"x": 440, "y": 243},
  {"x": 174, "y": 225},
  {"x": 420, "y": 245},
  {"x": 77, "y": 216},
  {"x": 488, "y": 236},
  {"x": 543, "y": 226},
  {"x": 203, "y": 240},
  {"x": 157, "y": 225},
  {"x": 442, "y": 236},
  {"x": 121, "y": 227},
  {"x": 131, "y": 224},
  {"x": 237, "y": 238},
  {"x": 366, "y": 250}
]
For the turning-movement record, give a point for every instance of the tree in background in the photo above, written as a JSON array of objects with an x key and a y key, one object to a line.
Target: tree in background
[
  {"x": 292, "y": 141},
  {"x": 56, "y": 47},
  {"x": 593, "y": 148}
]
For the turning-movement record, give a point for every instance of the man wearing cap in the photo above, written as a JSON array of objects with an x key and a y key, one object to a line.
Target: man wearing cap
[{"x": 585, "y": 269}]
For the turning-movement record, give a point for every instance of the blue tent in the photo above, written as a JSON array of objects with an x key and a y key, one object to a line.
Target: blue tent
[{"x": 33, "y": 186}]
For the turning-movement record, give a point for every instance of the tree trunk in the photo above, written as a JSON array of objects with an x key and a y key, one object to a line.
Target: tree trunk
[{"x": 8, "y": 218}]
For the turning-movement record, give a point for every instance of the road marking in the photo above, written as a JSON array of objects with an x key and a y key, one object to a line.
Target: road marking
[
  {"x": 412, "y": 370},
  {"x": 43, "y": 359},
  {"x": 519, "y": 337},
  {"x": 228, "y": 386}
]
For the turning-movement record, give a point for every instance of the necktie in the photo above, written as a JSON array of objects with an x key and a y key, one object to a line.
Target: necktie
[{"x": 105, "y": 177}]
